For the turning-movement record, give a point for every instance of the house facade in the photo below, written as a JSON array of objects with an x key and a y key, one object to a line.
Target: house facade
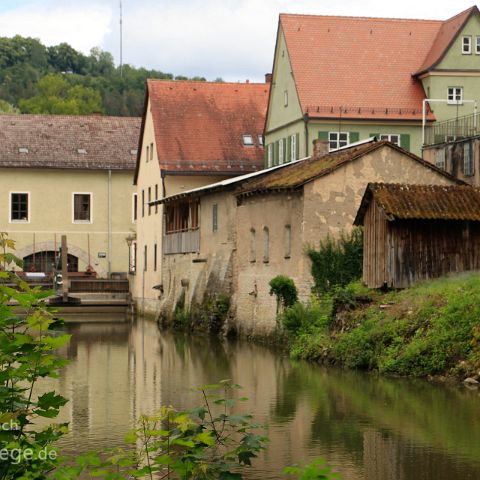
[
  {"x": 69, "y": 175},
  {"x": 193, "y": 134},
  {"x": 326, "y": 86}
]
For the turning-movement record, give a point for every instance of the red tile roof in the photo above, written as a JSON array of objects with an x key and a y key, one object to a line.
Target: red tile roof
[
  {"x": 364, "y": 65},
  {"x": 93, "y": 142},
  {"x": 422, "y": 202},
  {"x": 199, "y": 125}
]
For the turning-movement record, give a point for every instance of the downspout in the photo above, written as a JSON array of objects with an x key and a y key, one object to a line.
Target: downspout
[
  {"x": 109, "y": 223},
  {"x": 305, "y": 120}
]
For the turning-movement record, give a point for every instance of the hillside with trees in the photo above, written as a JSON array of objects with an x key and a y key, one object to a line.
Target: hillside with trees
[{"x": 60, "y": 80}]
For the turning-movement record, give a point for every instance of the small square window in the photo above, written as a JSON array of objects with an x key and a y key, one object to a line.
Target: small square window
[
  {"x": 466, "y": 45},
  {"x": 391, "y": 137},
  {"x": 82, "y": 207},
  {"x": 247, "y": 140},
  {"x": 338, "y": 140},
  {"x": 19, "y": 207},
  {"x": 455, "y": 95}
]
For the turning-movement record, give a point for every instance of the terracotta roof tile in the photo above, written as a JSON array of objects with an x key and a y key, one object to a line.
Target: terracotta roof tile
[
  {"x": 364, "y": 65},
  {"x": 422, "y": 202},
  {"x": 199, "y": 125},
  {"x": 59, "y": 141}
]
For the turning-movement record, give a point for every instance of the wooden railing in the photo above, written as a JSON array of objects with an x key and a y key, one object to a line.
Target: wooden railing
[{"x": 181, "y": 242}]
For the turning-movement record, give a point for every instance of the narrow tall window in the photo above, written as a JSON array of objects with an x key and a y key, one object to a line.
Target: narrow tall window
[
  {"x": 155, "y": 257},
  {"x": 467, "y": 160},
  {"x": 145, "y": 257},
  {"x": 440, "y": 158},
  {"x": 19, "y": 207},
  {"x": 133, "y": 257},
  {"x": 134, "y": 207},
  {"x": 214, "y": 217},
  {"x": 266, "y": 245},
  {"x": 82, "y": 207},
  {"x": 147, "y": 156},
  {"x": 477, "y": 44},
  {"x": 466, "y": 45},
  {"x": 338, "y": 140},
  {"x": 151, "y": 151},
  {"x": 293, "y": 147},
  {"x": 156, "y": 198},
  {"x": 288, "y": 241},
  {"x": 253, "y": 246},
  {"x": 149, "y": 200},
  {"x": 285, "y": 98},
  {"x": 143, "y": 203},
  {"x": 455, "y": 95}
]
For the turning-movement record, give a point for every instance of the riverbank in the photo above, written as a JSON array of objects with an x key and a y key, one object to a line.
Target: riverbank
[{"x": 432, "y": 329}]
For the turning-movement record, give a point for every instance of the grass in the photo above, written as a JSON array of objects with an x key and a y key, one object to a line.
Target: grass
[{"x": 430, "y": 329}]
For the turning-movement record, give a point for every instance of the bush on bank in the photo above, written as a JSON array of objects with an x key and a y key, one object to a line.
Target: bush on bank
[{"x": 430, "y": 329}]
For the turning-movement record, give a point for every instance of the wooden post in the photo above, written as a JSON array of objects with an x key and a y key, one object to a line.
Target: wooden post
[{"x": 64, "y": 269}]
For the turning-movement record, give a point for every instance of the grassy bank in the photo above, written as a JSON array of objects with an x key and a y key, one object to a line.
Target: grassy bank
[{"x": 430, "y": 329}]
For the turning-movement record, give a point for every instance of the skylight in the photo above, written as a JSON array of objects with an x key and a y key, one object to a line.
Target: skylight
[
  {"x": 247, "y": 140},
  {"x": 82, "y": 151},
  {"x": 23, "y": 150}
]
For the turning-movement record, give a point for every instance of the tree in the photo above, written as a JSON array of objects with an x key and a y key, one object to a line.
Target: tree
[{"x": 6, "y": 107}]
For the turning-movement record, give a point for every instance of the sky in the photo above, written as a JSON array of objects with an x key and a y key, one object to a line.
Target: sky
[{"x": 231, "y": 39}]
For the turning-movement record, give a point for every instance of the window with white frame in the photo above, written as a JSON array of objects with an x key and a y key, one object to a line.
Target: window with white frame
[
  {"x": 391, "y": 137},
  {"x": 280, "y": 151},
  {"x": 467, "y": 160},
  {"x": 477, "y": 44},
  {"x": 19, "y": 207},
  {"x": 466, "y": 44},
  {"x": 82, "y": 207},
  {"x": 455, "y": 95},
  {"x": 293, "y": 147},
  {"x": 440, "y": 158},
  {"x": 247, "y": 139},
  {"x": 338, "y": 139},
  {"x": 270, "y": 155}
]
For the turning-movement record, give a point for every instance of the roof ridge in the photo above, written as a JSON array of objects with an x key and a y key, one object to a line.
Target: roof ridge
[
  {"x": 353, "y": 17},
  {"x": 185, "y": 82},
  {"x": 51, "y": 116}
]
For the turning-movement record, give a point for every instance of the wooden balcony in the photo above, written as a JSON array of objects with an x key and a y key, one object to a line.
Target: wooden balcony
[{"x": 187, "y": 241}]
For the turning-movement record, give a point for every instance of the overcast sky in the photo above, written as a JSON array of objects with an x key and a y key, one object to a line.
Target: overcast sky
[{"x": 232, "y": 39}]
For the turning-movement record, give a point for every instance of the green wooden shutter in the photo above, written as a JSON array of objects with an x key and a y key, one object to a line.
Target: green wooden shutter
[
  {"x": 354, "y": 137},
  {"x": 323, "y": 135},
  {"x": 374, "y": 135},
  {"x": 297, "y": 146},
  {"x": 284, "y": 140},
  {"x": 405, "y": 141},
  {"x": 289, "y": 149},
  {"x": 265, "y": 156},
  {"x": 275, "y": 155}
]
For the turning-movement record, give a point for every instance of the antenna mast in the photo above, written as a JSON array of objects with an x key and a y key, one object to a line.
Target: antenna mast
[{"x": 121, "y": 41}]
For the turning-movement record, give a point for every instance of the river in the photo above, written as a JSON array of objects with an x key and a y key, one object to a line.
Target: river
[{"x": 367, "y": 427}]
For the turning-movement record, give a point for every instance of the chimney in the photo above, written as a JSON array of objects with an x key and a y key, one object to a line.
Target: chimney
[
  {"x": 320, "y": 148},
  {"x": 268, "y": 78}
]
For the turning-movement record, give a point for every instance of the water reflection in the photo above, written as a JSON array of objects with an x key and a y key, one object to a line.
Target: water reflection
[{"x": 367, "y": 427}]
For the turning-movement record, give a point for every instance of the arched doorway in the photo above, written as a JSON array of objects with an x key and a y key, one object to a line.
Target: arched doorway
[{"x": 47, "y": 261}]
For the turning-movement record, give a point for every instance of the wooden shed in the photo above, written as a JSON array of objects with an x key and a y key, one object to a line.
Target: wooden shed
[{"x": 418, "y": 232}]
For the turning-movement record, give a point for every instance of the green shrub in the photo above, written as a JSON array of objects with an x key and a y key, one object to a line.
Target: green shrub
[
  {"x": 284, "y": 289},
  {"x": 338, "y": 261},
  {"x": 305, "y": 317}
]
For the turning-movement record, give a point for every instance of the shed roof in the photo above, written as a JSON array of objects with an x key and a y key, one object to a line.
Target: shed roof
[
  {"x": 199, "y": 126},
  {"x": 422, "y": 202},
  {"x": 297, "y": 174},
  {"x": 93, "y": 142},
  {"x": 359, "y": 67}
]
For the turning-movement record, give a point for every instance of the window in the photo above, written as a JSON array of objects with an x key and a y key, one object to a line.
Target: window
[
  {"x": 338, "y": 140},
  {"x": 19, "y": 207},
  {"x": 467, "y": 160},
  {"x": 285, "y": 98},
  {"x": 151, "y": 151},
  {"x": 155, "y": 257},
  {"x": 260, "y": 140},
  {"x": 149, "y": 200},
  {"x": 466, "y": 45},
  {"x": 391, "y": 137},
  {"x": 455, "y": 95},
  {"x": 82, "y": 207},
  {"x": 266, "y": 245},
  {"x": 288, "y": 241},
  {"x": 156, "y": 198},
  {"x": 133, "y": 257},
  {"x": 143, "y": 203},
  {"x": 148, "y": 154},
  {"x": 253, "y": 246},
  {"x": 270, "y": 155},
  {"x": 134, "y": 207},
  {"x": 293, "y": 147},
  {"x": 280, "y": 151},
  {"x": 440, "y": 158},
  {"x": 145, "y": 258},
  {"x": 247, "y": 140},
  {"x": 214, "y": 217},
  {"x": 477, "y": 44}
]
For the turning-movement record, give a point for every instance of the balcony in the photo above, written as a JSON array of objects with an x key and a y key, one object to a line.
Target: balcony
[
  {"x": 186, "y": 241},
  {"x": 453, "y": 129}
]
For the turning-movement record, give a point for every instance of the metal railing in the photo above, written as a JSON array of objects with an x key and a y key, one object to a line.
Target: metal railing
[
  {"x": 181, "y": 242},
  {"x": 453, "y": 129}
]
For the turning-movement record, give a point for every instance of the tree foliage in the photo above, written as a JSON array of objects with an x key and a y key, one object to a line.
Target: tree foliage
[{"x": 27, "y": 67}]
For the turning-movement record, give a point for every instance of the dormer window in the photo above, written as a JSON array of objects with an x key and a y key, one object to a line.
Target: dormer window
[
  {"x": 247, "y": 140},
  {"x": 466, "y": 45}
]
